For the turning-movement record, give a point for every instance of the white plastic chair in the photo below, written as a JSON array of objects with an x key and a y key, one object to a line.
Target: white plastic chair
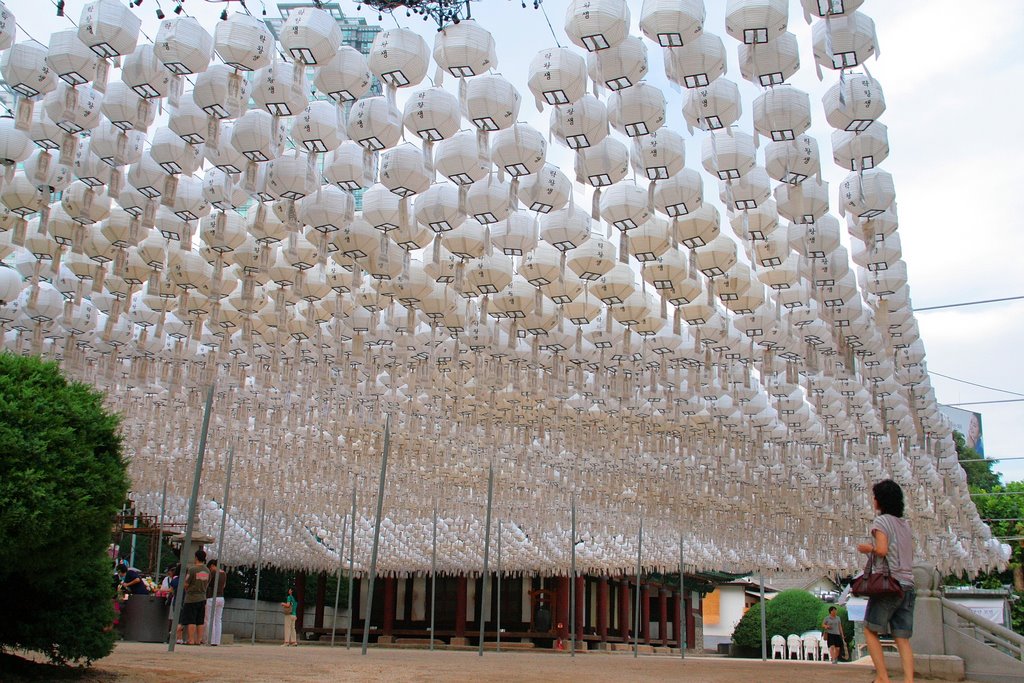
[
  {"x": 794, "y": 647},
  {"x": 811, "y": 647},
  {"x": 825, "y": 652},
  {"x": 778, "y": 647}
]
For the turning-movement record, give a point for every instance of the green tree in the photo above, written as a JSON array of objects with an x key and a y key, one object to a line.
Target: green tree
[
  {"x": 62, "y": 479},
  {"x": 1004, "y": 515},
  {"x": 791, "y": 611},
  {"x": 978, "y": 470}
]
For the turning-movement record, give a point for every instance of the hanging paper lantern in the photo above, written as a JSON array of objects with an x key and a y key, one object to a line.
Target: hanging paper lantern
[
  {"x": 399, "y": 57},
  {"x": 460, "y": 160},
  {"x": 828, "y": 8},
  {"x": 880, "y": 226},
  {"x": 859, "y": 150},
  {"x": 699, "y": 227},
  {"x": 74, "y": 109},
  {"x": 668, "y": 274},
  {"x": 24, "y": 69},
  {"x": 70, "y": 58},
  {"x": 772, "y": 63},
  {"x": 125, "y": 109},
  {"x": 346, "y": 77},
  {"x": 793, "y": 161},
  {"x": 659, "y": 155},
  {"x": 8, "y": 31},
  {"x": 466, "y": 240},
  {"x": 716, "y": 257},
  {"x": 465, "y": 49},
  {"x": 597, "y": 24},
  {"x": 146, "y": 176},
  {"x": 350, "y": 167},
  {"x": 488, "y": 200},
  {"x": 243, "y": 42},
  {"x": 319, "y": 127},
  {"x": 557, "y": 76},
  {"x": 621, "y": 66},
  {"x": 183, "y": 45},
  {"x": 257, "y": 135},
  {"x": 381, "y": 208},
  {"x": 680, "y": 195},
  {"x": 220, "y": 190},
  {"x": 713, "y": 106},
  {"x": 844, "y": 41},
  {"x": 437, "y": 208},
  {"x": 223, "y": 155},
  {"x": 815, "y": 240},
  {"x": 757, "y": 223},
  {"x": 220, "y": 92},
  {"x": 546, "y": 190},
  {"x": 866, "y": 194},
  {"x": 615, "y": 286},
  {"x": 565, "y": 229},
  {"x": 190, "y": 122},
  {"x": 754, "y": 22},
  {"x": 782, "y": 113},
  {"x": 144, "y": 73},
  {"x": 489, "y": 274},
  {"x": 672, "y": 23},
  {"x": 375, "y": 123},
  {"x": 519, "y": 150},
  {"x": 108, "y": 28},
  {"x": 516, "y": 235},
  {"x": 638, "y": 110},
  {"x": 280, "y": 89},
  {"x": 117, "y": 147},
  {"x": 603, "y": 164},
  {"x": 310, "y": 35},
  {"x": 624, "y": 206},
  {"x": 746, "y": 193},
  {"x": 879, "y": 254},
  {"x": 15, "y": 145},
  {"x": 173, "y": 154},
  {"x": 291, "y": 176},
  {"x": 492, "y": 103},
  {"x": 432, "y": 114},
  {"x": 698, "y": 63},
  {"x": 22, "y": 197},
  {"x": 803, "y": 203},
  {"x": 44, "y": 171},
  {"x": 581, "y": 124},
  {"x": 854, "y": 103},
  {"x": 403, "y": 172},
  {"x": 652, "y": 239},
  {"x": 729, "y": 154}
]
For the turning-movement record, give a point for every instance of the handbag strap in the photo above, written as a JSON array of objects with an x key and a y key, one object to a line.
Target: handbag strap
[{"x": 870, "y": 568}]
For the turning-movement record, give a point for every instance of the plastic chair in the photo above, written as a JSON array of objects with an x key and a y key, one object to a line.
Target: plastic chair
[
  {"x": 811, "y": 644},
  {"x": 826, "y": 654},
  {"x": 778, "y": 647},
  {"x": 794, "y": 644}
]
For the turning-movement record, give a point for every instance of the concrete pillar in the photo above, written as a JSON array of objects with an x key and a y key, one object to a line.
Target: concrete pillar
[
  {"x": 624, "y": 621},
  {"x": 663, "y": 616},
  {"x": 321, "y": 593},
  {"x": 602, "y": 608},
  {"x": 300, "y": 597},
  {"x": 929, "y": 637},
  {"x": 645, "y": 614}
]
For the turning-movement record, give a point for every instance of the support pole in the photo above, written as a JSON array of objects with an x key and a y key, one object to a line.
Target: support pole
[
  {"x": 486, "y": 597},
  {"x": 351, "y": 572},
  {"x": 223, "y": 522},
  {"x": 764, "y": 628},
  {"x": 498, "y": 628},
  {"x": 376, "y": 530},
  {"x": 681, "y": 636},
  {"x": 160, "y": 528},
  {"x": 259, "y": 568},
  {"x": 337, "y": 584},
  {"x": 433, "y": 574},
  {"x": 572, "y": 580},
  {"x": 179, "y": 596},
  {"x": 636, "y": 617}
]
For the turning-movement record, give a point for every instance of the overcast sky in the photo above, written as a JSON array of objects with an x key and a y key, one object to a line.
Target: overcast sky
[{"x": 951, "y": 73}]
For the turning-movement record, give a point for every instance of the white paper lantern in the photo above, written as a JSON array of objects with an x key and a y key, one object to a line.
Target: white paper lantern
[
  {"x": 310, "y": 35},
  {"x": 346, "y": 77},
  {"x": 547, "y": 190},
  {"x": 638, "y": 110},
  {"x": 189, "y": 201},
  {"x": 350, "y": 167},
  {"x": 728, "y": 154},
  {"x": 70, "y": 58},
  {"x": 8, "y": 30},
  {"x": 565, "y": 229},
  {"x": 757, "y": 223},
  {"x": 15, "y": 145},
  {"x": 699, "y": 227},
  {"x": 621, "y": 66},
  {"x": 518, "y": 150},
  {"x": 828, "y": 8},
  {"x": 220, "y": 92},
  {"x": 880, "y": 226},
  {"x": 581, "y": 124},
  {"x": 488, "y": 200},
  {"x": 858, "y": 150},
  {"x": 257, "y": 135},
  {"x": 291, "y": 176},
  {"x": 146, "y": 176},
  {"x": 615, "y": 286},
  {"x": 854, "y": 103},
  {"x": 772, "y": 63},
  {"x": 592, "y": 260},
  {"x": 489, "y": 274},
  {"x": 803, "y": 203},
  {"x": 597, "y": 24},
  {"x": 516, "y": 235},
  {"x": 461, "y": 160},
  {"x": 402, "y": 170},
  {"x": 432, "y": 114},
  {"x": 280, "y": 88},
  {"x": 696, "y": 64},
  {"x": 437, "y": 208},
  {"x": 557, "y": 76},
  {"x": 659, "y": 155},
  {"x": 22, "y": 197},
  {"x": 492, "y": 103},
  {"x": 45, "y": 172},
  {"x": 465, "y": 49},
  {"x": 880, "y": 254},
  {"x": 319, "y": 128},
  {"x": 603, "y": 164},
  {"x": 754, "y": 22},
  {"x": 109, "y": 28},
  {"x": 792, "y": 161},
  {"x": 716, "y": 257},
  {"x": 191, "y": 123},
  {"x": 74, "y": 109},
  {"x": 399, "y": 57},
  {"x": 651, "y": 240},
  {"x": 713, "y": 106},
  {"x": 672, "y": 23},
  {"x": 382, "y": 208},
  {"x": 145, "y": 74},
  {"x": 680, "y": 194},
  {"x": 221, "y": 191},
  {"x": 782, "y": 113},
  {"x": 173, "y": 154},
  {"x": 24, "y": 69},
  {"x": 866, "y": 194},
  {"x": 467, "y": 240},
  {"x": 844, "y": 41},
  {"x": 224, "y": 155},
  {"x": 815, "y": 240},
  {"x": 117, "y": 147},
  {"x": 375, "y": 124},
  {"x": 327, "y": 210},
  {"x": 243, "y": 42},
  {"x": 125, "y": 109},
  {"x": 624, "y": 206},
  {"x": 183, "y": 45}
]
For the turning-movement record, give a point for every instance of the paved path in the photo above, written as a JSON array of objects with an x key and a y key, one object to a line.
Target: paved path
[{"x": 151, "y": 663}]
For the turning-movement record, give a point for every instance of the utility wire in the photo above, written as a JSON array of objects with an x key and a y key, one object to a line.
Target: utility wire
[
  {"x": 982, "y": 403},
  {"x": 552, "y": 28},
  {"x": 967, "y": 303},
  {"x": 974, "y": 384}
]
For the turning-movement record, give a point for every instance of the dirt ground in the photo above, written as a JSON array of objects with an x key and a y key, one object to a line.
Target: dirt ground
[{"x": 151, "y": 663}]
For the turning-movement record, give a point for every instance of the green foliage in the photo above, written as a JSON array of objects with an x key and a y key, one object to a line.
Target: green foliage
[
  {"x": 62, "y": 480},
  {"x": 979, "y": 474},
  {"x": 274, "y": 584},
  {"x": 792, "y": 611},
  {"x": 844, "y": 618},
  {"x": 1005, "y": 508},
  {"x": 1017, "y": 612}
]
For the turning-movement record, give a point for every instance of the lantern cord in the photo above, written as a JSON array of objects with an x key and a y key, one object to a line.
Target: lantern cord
[
  {"x": 975, "y": 384},
  {"x": 968, "y": 303},
  {"x": 54, "y": 3},
  {"x": 552, "y": 28},
  {"x": 22, "y": 29},
  {"x": 982, "y": 403}
]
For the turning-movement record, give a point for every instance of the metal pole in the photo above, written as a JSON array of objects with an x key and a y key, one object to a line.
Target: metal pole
[
  {"x": 376, "y": 530},
  {"x": 259, "y": 568},
  {"x": 220, "y": 541},
  {"x": 498, "y": 628},
  {"x": 681, "y": 636},
  {"x": 636, "y": 619},
  {"x": 160, "y": 528},
  {"x": 337, "y": 584},
  {"x": 135, "y": 535},
  {"x": 485, "y": 599},
  {"x": 351, "y": 564},
  {"x": 179, "y": 596},
  {"x": 572, "y": 578},
  {"x": 433, "y": 575},
  {"x": 764, "y": 628}
]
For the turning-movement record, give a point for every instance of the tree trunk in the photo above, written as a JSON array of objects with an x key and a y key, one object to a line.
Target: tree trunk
[{"x": 1018, "y": 578}]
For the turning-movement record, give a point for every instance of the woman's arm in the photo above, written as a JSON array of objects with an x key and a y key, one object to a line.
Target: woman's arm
[{"x": 881, "y": 542}]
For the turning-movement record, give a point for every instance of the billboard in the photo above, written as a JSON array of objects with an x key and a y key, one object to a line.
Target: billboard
[{"x": 967, "y": 423}]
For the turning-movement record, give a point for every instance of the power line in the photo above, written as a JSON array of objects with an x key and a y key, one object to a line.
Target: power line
[
  {"x": 552, "y": 28},
  {"x": 998, "y": 493},
  {"x": 990, "y": 459},
  {"x": 981, "y": 403},
  {"x": 967, "y": 303},
  {"x": 975, "y": 384}
]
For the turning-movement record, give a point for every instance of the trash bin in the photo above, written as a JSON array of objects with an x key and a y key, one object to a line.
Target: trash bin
[{"x": 145, "y": 619}]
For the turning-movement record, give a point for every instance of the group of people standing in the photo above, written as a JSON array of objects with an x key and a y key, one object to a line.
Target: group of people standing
[{"x": 203, "y": 584}]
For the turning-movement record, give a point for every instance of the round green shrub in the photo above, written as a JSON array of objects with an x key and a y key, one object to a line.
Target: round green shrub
[{"x": 792, "y": 611}]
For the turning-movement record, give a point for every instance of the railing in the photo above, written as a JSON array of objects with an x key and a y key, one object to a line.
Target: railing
[{"x": 983, "y": 630}]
